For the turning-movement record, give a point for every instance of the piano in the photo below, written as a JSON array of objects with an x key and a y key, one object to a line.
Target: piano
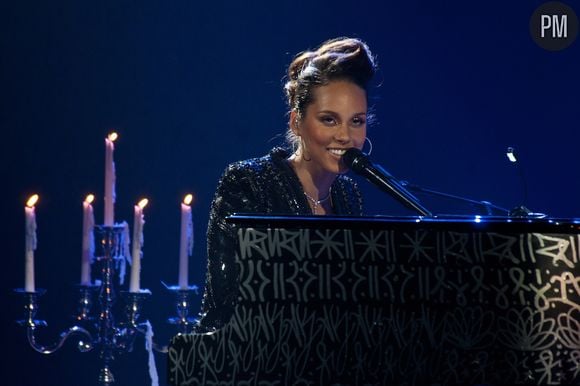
[{"x": 395, "y": 301}]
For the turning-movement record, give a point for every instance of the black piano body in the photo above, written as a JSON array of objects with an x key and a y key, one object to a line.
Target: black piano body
[{"x": 395, "y": 301}]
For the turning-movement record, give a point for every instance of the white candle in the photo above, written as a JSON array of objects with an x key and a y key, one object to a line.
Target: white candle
[
  {"x": 109, "y": 195},
  {"x": 30, "y": 243},
  {"x": 138, "y": 222},
  {"x": 185, "y": 241},
  {"x": 88, "y": 240}
]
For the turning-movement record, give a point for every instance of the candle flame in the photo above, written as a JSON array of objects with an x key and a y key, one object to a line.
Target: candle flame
[
  {"x": 113, "y": 136},
  {"x": 90, "y": 198},
  {"x": 188, "y": 199},
  {"x": 32, "y": 200},
  {"x": 143, "y": 203}
]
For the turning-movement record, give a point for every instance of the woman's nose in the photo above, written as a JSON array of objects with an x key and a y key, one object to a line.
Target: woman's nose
[{"x": 342, "y": 134}]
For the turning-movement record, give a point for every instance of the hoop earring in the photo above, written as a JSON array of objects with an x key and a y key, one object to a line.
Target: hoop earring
[
  {"x": 303, "y": 151},
  {"x": 370, "y": 145}
]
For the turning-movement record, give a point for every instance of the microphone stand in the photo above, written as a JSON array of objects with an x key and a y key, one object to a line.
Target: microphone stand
[
  {"x": 395, "y": 188},
  {"x": 486, "y": 205}
]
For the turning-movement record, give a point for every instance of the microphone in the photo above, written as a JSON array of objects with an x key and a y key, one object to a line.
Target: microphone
[{"x": 359, "y": 163}]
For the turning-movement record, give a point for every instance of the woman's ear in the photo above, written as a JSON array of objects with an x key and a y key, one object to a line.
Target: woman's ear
[{"x": 293, "y": 123}]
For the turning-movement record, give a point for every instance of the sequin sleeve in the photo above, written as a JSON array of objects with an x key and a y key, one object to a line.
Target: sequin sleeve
[{"x": 235, "y": 194}]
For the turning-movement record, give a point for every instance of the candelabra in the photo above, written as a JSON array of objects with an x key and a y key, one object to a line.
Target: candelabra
[{"x": 103, "y": 332}]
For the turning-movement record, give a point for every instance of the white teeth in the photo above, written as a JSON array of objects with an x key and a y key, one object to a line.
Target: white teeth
[{"x": 337, "y": 151}]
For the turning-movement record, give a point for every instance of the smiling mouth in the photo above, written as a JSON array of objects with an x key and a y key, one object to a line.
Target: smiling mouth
[{"x": 338, "y": 152}]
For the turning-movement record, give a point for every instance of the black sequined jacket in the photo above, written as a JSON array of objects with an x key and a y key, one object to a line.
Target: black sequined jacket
[{"x": 266, "y": 185}]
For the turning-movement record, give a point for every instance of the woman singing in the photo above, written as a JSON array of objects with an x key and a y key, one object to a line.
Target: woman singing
[{"x": 326, "y": 91}]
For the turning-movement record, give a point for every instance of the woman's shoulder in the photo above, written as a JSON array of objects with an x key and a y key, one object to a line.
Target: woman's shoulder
[
  {"x": 254, "y": 180},
  {"x": 258, "y": 165}
]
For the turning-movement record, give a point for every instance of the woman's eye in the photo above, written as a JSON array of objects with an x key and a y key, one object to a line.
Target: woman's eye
[
  {"x": 358, "y": 121},
  {"x": 328, "y": 120}
]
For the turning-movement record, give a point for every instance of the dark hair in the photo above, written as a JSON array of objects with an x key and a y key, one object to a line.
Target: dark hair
[
  {"x": 341, "y": 58},
  {"x": 336, "y": 59}
]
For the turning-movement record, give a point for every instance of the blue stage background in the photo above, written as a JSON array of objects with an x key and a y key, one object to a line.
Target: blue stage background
[{"x": 192, "y": 86}]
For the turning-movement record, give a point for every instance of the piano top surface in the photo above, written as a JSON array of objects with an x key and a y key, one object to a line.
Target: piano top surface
[{"x": 474, "y": 223}]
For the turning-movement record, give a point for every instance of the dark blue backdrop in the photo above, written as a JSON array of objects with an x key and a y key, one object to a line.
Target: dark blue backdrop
[{"x": 192, "y": 86}]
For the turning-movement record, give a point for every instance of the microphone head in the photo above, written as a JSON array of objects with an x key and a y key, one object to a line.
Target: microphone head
[{"x": 355, "y": 159}]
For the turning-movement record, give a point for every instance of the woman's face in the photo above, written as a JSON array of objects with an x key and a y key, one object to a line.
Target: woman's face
[{"x": 335, "y": 121}]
